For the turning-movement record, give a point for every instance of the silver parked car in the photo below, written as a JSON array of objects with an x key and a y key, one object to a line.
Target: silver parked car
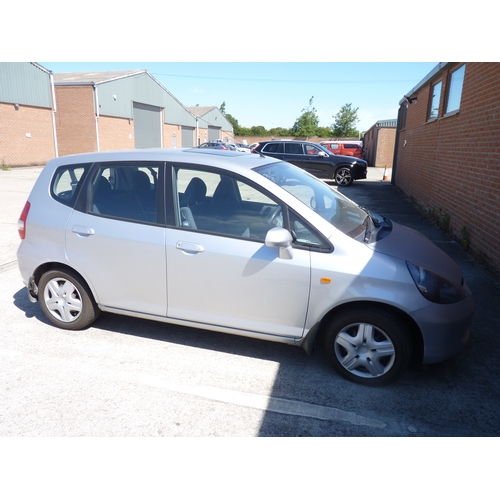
[{"x": 242, "y": 244}]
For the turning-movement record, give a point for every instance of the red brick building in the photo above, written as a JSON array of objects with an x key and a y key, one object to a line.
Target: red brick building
[
  {"x": 27, "y": 128},
  {"x": 45, "y": 115},
  {"x": 378, "y": 143},
  {"x": 113, "y": 110},
  {"x": 448, "y": 152}
]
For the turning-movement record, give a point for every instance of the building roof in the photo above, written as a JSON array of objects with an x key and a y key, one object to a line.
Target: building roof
[
  {"x": 93, "y": 77},
  {"x": 392, "y": 122},
  {"x": 424, "y": 81},
  {"x": 200, "y": 110}
]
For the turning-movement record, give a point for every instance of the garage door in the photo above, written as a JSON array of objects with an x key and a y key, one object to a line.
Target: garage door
[
  {"x": 187, "y": 137},
  {"x": 147, "y": 126},
  {"x": 213, "y": 133}
]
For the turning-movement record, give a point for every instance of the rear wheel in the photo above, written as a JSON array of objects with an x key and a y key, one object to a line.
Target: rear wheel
[
  {"x": 66, "y": 300},
  {"x": 343, "y": 176},
  {"x": 369, "y": 346}
]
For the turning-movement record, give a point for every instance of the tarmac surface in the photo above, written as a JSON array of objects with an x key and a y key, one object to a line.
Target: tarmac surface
[{"x": 131, "y": 377}]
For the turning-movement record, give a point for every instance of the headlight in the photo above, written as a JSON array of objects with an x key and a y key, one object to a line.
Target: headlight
[{"x": 435, "y": 287}]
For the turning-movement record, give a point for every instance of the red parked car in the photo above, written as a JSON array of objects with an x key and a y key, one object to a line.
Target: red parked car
[{"x": 344, "y": 148}]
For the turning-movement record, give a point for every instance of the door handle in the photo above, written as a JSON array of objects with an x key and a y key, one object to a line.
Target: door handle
[
  {"x": 83, "y": 230},
  {"x": 189, "y": 247}
]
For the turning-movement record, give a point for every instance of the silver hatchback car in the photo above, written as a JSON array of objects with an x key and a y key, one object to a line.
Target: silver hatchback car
[{"x": 242, "y": 244}]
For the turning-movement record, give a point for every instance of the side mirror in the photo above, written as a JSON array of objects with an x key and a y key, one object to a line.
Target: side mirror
[
  {"x": 279, "y": 237},
  {"x": 322, "y": 153}
]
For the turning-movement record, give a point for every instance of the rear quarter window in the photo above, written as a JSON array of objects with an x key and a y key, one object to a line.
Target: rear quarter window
[
  {"x": 273, "y": 148},
  {"x": 67, "y": 182}
]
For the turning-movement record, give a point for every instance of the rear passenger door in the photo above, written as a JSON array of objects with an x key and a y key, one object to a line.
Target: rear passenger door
[{"x": 116, "y": 237}]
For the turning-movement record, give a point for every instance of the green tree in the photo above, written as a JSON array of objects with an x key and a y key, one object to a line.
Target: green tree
[
  {"x": 234, "y": 122},
  {"x": 280, "y": 132},
  {"x": 324, "y": 132},
  {"x": 306, "y": 124},
  {"x": 223, "y": 108},
  {"x": 258, "y": 130},
  {"x": 345, "y": 122}
]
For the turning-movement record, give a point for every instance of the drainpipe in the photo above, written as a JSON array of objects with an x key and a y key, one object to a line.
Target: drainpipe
[
  {"x": 96, "y": 117},
  {"x": 54, "y": 130},
  {"x": 197, "y": 133},
  {"x": 396, "y": 148}
]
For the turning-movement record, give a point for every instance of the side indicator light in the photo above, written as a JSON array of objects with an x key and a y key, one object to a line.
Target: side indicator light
[{"x": 325, "y": 281}]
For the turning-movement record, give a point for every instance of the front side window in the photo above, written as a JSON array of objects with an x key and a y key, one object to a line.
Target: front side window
[
  {"x": 223, "y": 204},
  {"x": 435, "y": 97},
  {"x": 311, "y": 150},
  {"x": 455, "y": 90},
  {"x": 126, "y": 191}
]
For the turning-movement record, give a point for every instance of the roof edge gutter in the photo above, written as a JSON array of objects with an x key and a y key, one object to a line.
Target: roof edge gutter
[{"x": 425, "y": 80}]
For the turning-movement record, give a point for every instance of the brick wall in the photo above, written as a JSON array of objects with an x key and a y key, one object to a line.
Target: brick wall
[
  {"x": 26, "y": 135},
  {"x": 385, "y": 147},
  {"x": 75, "y": 119},
  {"x": 451, "y": 165},
  {"x": 172, "y": 136},
  {"x": 115, "y": 133}
]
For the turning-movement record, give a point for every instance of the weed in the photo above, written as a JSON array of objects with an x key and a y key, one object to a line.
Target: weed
[{"x": 465, "y": 237}]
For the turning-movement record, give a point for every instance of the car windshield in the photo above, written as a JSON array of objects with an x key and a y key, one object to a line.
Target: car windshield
[{"x": 335, "y": 208}]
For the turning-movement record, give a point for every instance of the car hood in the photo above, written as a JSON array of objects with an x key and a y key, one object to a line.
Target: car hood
[{"x": 409, "y": 245}]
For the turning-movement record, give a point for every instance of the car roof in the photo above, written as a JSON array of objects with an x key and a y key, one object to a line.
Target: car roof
[
  {"x": 208, "y": 157},
  {"x": 290, "y": 140}
]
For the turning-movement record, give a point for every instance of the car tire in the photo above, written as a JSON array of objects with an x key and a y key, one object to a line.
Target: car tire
[
  {"x": 343, "y": 176},
  {"x": 370, "y": 346},
  {"x": 66, "y": 300}
]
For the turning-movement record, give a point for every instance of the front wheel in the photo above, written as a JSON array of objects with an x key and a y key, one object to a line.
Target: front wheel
[
  {"x": 66, "y": 300},
  {"x": 343, "y": 176},
  {"x": 369, "y": 346}
]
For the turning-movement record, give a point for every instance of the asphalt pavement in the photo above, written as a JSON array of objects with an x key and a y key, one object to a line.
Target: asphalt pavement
[{"x": 130, "y": 377}]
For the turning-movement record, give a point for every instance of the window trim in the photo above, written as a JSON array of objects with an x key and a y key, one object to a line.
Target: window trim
[
  {"x": 432, "y": 97},
  {"x": 449, "y": 89}
]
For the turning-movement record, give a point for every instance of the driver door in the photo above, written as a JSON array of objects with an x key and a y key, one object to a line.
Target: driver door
[{"x": 219, "y": 270}]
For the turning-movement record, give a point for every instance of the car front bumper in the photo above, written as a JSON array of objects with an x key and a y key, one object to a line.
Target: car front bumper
[
  {"x": 445, "y": 329},
  {"x": 359, "y": 171}
]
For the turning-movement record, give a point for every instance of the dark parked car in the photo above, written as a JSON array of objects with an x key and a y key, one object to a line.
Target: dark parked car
[{"x": 316, "y": 160}]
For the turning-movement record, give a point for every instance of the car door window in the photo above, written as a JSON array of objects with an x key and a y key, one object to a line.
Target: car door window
[
  {"x": 126, "y": 191},
  {"x": 311, "y": 150},
  {"x": 273, "y": 148},
  {"x": 223, "y": 204},
  {"x": 66, "y": 183},
  {"x": 293, "y": 148}
]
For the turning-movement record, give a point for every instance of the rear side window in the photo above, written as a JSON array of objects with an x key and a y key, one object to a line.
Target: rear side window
[
  {"x": 126, "y": 191},
  {"x": 294, "y": 149},
  {"x": 351, "y": 146},
  {"x": 273, "y": 148},
  {"x": 67, "y": 183}
]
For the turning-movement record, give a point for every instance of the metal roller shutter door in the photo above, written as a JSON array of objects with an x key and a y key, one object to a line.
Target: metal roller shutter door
[
  {"x": 213, "y": 133},
  {"x": 187, "y": 137},
  {"x": 147, "y": 126}
]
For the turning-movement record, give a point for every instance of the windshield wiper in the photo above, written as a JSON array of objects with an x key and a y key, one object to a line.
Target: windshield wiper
[{"x": 374, "y": 219}]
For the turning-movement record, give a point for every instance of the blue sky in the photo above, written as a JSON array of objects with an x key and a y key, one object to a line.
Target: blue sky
[{"x": 273, "y": 94}]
